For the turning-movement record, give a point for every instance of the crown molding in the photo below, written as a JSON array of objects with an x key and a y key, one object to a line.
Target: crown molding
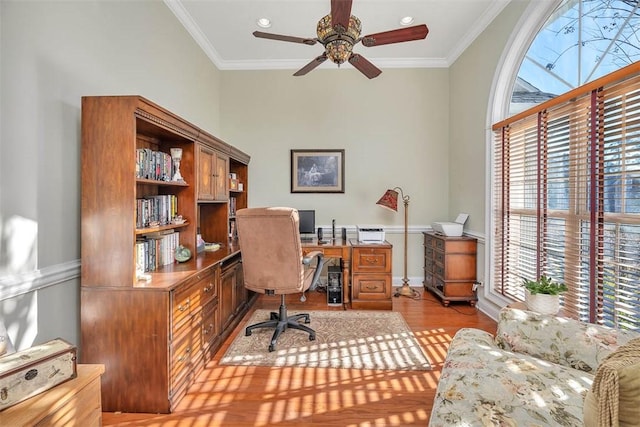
[
  {"x": 295, "y": 64},
  {"x": 481, "y": 24},
  {"x": 194, "y": 30}
]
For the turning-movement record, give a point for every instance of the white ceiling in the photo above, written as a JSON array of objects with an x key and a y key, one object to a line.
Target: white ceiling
[{"x": 223, "y": 29}]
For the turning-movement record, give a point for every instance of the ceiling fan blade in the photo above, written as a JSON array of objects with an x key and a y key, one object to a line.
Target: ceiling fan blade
[
  {"x": 292, "y": 39},
  {"x": 364, "y": 66},
  {"x": 340, "y": 14},
  {"x": 396, "y": 36},
  {"x": 311, "y": 65}
]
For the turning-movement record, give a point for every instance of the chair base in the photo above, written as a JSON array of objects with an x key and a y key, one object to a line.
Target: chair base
[{"x": 281, "y": 322}]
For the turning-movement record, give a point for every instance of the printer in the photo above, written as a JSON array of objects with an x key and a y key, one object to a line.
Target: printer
[
  {"x": 451, "y": 229},
  {"x": 370, "y": 233}
]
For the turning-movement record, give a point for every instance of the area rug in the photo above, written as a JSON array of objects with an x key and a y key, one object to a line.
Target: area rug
[{"x": 361, "y": 339}]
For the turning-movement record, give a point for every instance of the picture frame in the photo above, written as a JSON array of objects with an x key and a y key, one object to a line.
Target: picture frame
[{"x": 317, "y": 171}]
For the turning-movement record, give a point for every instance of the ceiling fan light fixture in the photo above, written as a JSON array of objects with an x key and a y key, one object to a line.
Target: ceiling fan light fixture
[
  {"x": 407, "y": 20},
  {"x": 338, "y": 45},
  {"x": 263, "y": 22},
  {"x": 339, "y": 51}
]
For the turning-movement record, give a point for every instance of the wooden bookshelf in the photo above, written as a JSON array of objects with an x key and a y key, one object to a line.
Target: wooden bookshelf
[{"x": 154, "y": 330}]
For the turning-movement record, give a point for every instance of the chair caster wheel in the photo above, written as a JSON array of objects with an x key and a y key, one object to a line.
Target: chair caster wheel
[
  {"x": 247, "y": 333},
  {"x": 312, "y": 337},
  {"x": 307, "y": 320},
  {"x": 271, "y": 348}
]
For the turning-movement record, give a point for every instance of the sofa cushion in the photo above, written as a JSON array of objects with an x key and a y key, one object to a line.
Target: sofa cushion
[
  {"x": 613, "y": 398},
  {"x": 558, "y": 340},
  {"x": 482, "y": 385}
]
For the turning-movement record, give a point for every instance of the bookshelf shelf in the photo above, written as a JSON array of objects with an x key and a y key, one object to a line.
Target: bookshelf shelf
[
  {"x": 149, "y": 230},
  {"x": 161, "y": 183}
]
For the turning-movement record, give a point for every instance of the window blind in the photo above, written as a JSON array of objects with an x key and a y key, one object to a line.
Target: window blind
[{"x": 566, "y": 200}]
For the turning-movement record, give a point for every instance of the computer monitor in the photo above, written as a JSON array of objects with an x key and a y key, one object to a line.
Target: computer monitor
[{"x": 307, "y": 223}]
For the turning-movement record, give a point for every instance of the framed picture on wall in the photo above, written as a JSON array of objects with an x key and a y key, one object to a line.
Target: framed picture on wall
[{"x": 317, "y": 171}]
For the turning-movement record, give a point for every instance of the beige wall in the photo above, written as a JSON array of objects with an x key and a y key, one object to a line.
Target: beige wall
[
  {"x": 53, "y": 53},
  {"x": 393, "y": 130}
]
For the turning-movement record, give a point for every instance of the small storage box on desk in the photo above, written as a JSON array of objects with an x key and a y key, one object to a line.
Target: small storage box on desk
[{"x": 450, "y": 267}]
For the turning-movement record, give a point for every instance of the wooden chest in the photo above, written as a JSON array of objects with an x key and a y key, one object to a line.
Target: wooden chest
[{"x": 29, "y": 372}]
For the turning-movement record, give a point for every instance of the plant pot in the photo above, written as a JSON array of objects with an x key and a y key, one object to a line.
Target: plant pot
[{"x": 542, "y": 303}]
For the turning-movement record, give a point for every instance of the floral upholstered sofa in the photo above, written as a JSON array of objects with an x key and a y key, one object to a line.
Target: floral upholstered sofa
[{"x": 536, "y": 371}]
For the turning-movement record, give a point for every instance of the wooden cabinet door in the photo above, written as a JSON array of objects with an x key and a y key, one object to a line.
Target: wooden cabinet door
[
  {"x": 206, "y": 162},
  {"x": 221, "y": 177},
  {"x": 227, "y": 291},
  {"x": 213, "y": 175},
  {"x": 240, "y": 291}
]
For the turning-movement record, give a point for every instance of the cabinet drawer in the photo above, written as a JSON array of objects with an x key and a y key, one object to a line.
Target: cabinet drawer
[
  {"x": 428, "y": 278},
  {"x": 186, "y": 350},
  {"x": 371, "y": 286},
  {"x": 438, "y": 270},
  {"x": 429, "y": 241},
  {"x": 188, "y": 299},
  {"x": 371, "y": 260},
  {"x": 210, "y": 324},
  {"x": 428, "y": 253}
]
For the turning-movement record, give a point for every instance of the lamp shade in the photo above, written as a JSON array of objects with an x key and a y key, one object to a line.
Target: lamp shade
[{"x": 389, "y": 200}]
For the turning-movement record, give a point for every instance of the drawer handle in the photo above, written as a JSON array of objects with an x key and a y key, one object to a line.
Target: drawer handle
[
  {"x": 207, "y": 289},
  {"x": 184, "y": 307},
  {"x": 209, "y": 329},
  {"x": 185, "y": 356},
  {"x": 372, "y": 287},
  {"x": 372, "y": 260}
]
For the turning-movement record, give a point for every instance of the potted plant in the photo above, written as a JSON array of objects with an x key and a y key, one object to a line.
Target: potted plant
[{"x": 543, "y": 295}]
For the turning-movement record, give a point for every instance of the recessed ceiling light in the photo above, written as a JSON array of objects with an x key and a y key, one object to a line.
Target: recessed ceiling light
[
  {"x": 263, "y": 22},
  {"x": 407, "y": 20}
]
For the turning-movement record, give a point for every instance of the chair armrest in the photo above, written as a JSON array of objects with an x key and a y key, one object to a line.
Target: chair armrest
[
  {"x": 306, "y": 260},
  {"x": 558, "y": 340},
  {"x": 319, "y": 256}
]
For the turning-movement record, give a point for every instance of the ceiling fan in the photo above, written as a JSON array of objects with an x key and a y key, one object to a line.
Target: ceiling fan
[{"x": 339, "y": 31}]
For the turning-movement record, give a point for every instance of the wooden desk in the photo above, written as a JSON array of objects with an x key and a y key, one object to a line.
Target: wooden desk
[
  {"x": 73, "y": 403},
  {"x": 335, "y": 248},
  {"x": 366, "y": 271}
]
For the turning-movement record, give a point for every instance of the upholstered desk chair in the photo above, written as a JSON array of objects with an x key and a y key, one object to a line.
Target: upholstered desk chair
[{"x": 273, "y": 263}]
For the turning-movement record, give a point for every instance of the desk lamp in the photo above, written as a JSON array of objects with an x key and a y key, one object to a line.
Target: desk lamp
[{"x": 389, "y": 200}]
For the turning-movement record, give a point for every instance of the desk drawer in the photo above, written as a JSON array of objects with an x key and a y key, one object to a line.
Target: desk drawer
[
  {"x": 374, "y": 260},
  {"x": 371, "y": 286},
  {"x": 328, "y": 251},
  {"x": 188, "y": 299},
  {"x": 185, "y": 351}
]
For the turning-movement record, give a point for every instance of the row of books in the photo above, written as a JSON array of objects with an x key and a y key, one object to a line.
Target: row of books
[
  {"x": 156, "y": 250},
  {"x": 156, "y": 165},
  {"x": 156, "y": 210},
  {"x": 233, "y": 229},
  {"x": 232, "y": 206}
]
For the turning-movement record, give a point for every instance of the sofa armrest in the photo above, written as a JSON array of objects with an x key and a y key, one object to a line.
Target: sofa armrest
[{"x": 558, "y": 340}]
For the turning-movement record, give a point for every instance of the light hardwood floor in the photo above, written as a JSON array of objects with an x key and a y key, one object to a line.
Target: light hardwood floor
[{"x": 265, "y": 396}]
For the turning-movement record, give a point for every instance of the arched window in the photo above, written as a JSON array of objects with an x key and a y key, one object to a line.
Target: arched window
[
  {"x": 566, "y": 175},
  {"x": 581, "y": 41}
]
